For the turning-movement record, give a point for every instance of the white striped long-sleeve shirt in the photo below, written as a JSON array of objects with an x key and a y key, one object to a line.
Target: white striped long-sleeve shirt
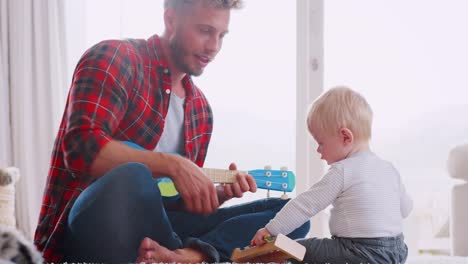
[{"x": 367, "y": 195}]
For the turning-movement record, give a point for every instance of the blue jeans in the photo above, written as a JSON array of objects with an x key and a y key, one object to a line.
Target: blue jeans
[{"x": 111, "y": 217}]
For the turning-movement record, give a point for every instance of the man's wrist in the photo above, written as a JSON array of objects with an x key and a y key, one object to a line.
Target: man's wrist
[{"x": 163, "y": 165}]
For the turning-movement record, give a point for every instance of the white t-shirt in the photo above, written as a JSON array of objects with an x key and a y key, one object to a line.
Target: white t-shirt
[
  {"x": 172, "y": 139},
  {"x": 367, "y": 195}
]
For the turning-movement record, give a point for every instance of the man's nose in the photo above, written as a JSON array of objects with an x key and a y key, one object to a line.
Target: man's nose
[{"x": 213, "y": 45}]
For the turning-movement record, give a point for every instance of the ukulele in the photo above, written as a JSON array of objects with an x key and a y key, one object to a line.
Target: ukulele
[{"x": 268, "y": 179}]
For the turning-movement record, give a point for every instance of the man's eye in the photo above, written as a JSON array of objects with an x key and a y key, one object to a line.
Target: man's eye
[{"x": 205, "y": 30}]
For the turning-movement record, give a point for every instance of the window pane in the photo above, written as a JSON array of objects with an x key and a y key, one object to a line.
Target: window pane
[
  {"x": 251, "y": 85},
  {"x": 252, "y": 88},
  {"x": 408, "y": 58}
]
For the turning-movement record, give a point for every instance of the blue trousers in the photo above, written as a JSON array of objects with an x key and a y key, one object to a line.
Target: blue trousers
[{"x": 111, "y": 217}]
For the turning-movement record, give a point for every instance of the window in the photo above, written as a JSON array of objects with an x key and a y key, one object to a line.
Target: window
[
  {"x": 251, "y": 85},
  {"x": 408, "y": 58}
]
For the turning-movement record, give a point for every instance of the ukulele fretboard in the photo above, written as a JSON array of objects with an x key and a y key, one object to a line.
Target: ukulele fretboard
[{"x": 222, "y": 176}]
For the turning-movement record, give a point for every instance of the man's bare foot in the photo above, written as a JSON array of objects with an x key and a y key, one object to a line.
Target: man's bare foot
[{"x": 151, "y": 252}]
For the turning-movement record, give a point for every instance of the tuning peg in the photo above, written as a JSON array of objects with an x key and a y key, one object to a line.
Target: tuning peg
[
  {"x": 284, "y": 196},
  {"x": 284, "y": 168},
  {"x": 267, "y": 167}
]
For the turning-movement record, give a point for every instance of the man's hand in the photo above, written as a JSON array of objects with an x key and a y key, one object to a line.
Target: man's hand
[
  {"x": 259, "y": 238},
  {"x": 244, "y": 183},
  {"x": 197, "y": 190}
]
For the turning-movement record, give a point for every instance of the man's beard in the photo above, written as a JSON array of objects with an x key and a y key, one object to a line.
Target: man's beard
[{"x": 178, "y": 53}]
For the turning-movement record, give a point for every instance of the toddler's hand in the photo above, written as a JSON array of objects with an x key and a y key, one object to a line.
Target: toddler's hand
[{"x": 259, "y": 238}]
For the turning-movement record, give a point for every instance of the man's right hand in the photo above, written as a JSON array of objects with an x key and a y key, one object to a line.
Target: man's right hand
[{"x": 197, "y": 190}]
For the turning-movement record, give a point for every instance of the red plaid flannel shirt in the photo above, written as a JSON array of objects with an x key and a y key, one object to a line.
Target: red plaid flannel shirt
[{"x": 120, "y": 90}]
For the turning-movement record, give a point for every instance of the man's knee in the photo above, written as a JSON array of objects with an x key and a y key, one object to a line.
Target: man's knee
[{"x": 131, "y": 173}]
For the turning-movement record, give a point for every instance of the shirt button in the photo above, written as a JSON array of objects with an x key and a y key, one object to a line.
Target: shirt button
[
  {"x": 168, "y": 91},
  {"x": 166, "y": 71}
]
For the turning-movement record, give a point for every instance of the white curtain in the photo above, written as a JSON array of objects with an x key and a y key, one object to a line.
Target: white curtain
[
  {"x": 32, "y": 95},
  {"x": 5, "y": 138}
]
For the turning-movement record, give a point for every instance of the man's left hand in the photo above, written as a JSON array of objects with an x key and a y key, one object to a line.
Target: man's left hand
[{"x": 244, "y": 183}]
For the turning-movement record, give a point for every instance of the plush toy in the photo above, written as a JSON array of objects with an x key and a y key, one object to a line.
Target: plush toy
[
  {"x": 9, "y": 176},
  {"x": 14, "y": 247}
]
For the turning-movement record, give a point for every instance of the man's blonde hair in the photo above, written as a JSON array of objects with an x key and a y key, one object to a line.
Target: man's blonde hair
[
  {"x": 341, "y": 107},
  {"x": 224, "y": 4}
]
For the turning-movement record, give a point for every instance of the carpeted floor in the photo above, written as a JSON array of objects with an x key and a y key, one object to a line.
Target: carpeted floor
[{"x": 436, "y": 260}]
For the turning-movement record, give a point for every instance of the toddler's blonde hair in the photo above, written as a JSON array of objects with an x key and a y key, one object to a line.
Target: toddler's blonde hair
[{"x": 341, "y": 107}]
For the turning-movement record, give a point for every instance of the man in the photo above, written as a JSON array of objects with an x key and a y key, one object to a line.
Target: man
[{"x": 101, "y": 202}]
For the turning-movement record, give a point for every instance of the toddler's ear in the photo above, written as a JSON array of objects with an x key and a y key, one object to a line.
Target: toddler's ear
[{"x": 346, "y": 136}]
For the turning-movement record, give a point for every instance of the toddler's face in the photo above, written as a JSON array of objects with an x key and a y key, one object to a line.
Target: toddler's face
[{"x": 331, "y": 146}]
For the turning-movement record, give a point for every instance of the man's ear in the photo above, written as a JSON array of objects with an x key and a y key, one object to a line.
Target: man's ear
[
  {"x": 170, "y": 17},
  {"x": 346, "y": 135}
]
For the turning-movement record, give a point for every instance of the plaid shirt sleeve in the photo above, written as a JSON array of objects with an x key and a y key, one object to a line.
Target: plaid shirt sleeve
[{"x": 97, "y": 102}]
